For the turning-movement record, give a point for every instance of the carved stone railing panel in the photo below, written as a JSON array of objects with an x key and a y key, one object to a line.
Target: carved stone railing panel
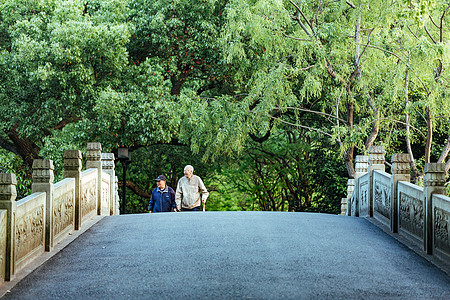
[
  {"x": 106, "y": 195},
  {"x": 363, "y": 195},
  {"x": 63, "y": 208},
  {"x": 441, "y": 221},
  {"x": 29, "y": 229},
  {"x": 3, "y": 225},
  {"x": 382, "y": 196},
  {"x": 411, "y": 211},
  {"x": 89, "y": 193}
]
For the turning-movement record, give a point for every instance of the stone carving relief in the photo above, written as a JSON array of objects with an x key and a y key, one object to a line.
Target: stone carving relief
[
  {"x": 411, "y": 215},
  {"x": 363, "y": 197},
  {"x": 382, "y": 199},
  {"x": 29, "y": 232},
  {"x": 105, "y": 193},
  {"x": 89, "y": 197},
  {"x": 441, "y": 229},
  {"x": 63, "y": 212}
]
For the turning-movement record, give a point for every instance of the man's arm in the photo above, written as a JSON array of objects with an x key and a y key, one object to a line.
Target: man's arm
[
  {"x": 203, "y": 190},
  {"x": 172, "y": 199},
  {"x": 178, "y": 195},
  {"x": 151, "y": 204}
]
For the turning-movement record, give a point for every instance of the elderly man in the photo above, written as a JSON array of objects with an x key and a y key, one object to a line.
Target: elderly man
[
  {"x": 163, "y": 197},
  {"x": 190, "y": 191}
]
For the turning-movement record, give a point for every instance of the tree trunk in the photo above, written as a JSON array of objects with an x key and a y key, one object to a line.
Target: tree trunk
[
  {"x": 416, "y": 173},
  {"x": 132, "y": 186},
  {"x": 348, "y": 159},
  {"x": 375, "y": 128},
  {"x": 429, "y": 137},
  {"x": 357, "y": 50},
  {"x": 445, "y": 152},
  {"x": 26, "y": 149}
]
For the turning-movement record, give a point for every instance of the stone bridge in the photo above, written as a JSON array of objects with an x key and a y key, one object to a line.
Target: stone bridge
[{"x": 66, "y": 241}]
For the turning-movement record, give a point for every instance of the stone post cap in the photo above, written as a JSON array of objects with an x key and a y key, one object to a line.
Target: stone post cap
[
  {"x": 361, "y": 164},
  {"x": 351, "y": 182},
  {"x": 72, "y": 160},
  {"x": 94, "y": 152},
  {"x": 108, "y": 160},
  {"x": 45, "y": 164},
  {"x": 400, "y": 158},
  {"x": 434, "y": 175},
  {"x": 8, "y": 184},
  {"x": 377, "y": 149},
  {"x": 362, "y": 159},
  {"x": 376, "y": 157},
  {"x": 43, "y": 171},
  {"x": 8, "y": 179},
  {"x": 108, "y": 156},
  {"x": 95, "y": 146},
  {"x": 72, "y": 154},
  {"x": 434, "y": 168}
]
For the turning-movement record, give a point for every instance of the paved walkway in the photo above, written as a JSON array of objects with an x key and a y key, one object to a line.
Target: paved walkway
[{"x": 234, "y": 255}]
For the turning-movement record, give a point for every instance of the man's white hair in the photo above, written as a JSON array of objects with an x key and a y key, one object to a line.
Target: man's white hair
[{"x": 189, "y": 167}]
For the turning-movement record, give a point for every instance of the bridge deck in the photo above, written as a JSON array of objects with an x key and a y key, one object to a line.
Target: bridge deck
[{"x": 223, "y": 255}]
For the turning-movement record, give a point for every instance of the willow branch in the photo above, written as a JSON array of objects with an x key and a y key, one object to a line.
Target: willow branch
[
  {"x": 412, "y": 32},
  {"x": 294, "y": 38},
  {"x": 400, "y": 122},
  {"x": 384, "y": 50},
  {"x": 432, "y": 21},
  {"x": 311, "y": 111},
  {"x": 350, "y": 4},
  {"x": 303, "y": 15},
  {"x": 442, "y": 23},
  {"x": 429, "y": 34},
  {"x": 301, "y": 24},
  {"x": 303, "y": 126}
]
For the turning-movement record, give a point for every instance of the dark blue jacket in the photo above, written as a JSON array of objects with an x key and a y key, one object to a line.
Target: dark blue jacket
[{"x": 162, "y": 200}]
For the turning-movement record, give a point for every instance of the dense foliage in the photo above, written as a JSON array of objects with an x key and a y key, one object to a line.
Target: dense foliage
[{"x": 269, "y": 100}]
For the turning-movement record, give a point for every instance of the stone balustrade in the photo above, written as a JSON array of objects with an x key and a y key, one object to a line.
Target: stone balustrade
[
  {"x": 34, "y": 224},
  {"x": 419, "y": 214}
]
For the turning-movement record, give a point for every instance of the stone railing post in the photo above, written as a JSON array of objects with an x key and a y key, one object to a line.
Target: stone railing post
[
  {"x": 8, "y": 196},
  {"x": 108, "y": 167},
  {"x": 94, "y": 160},
  {"x": 376, "y": 162},
  {"x": 350, "y": 189},
  {"x": 434, "y": 181},
  {"x": 343, "y": 206},
  {"x": 72, "y": 169},
  {"x": 361, "y": 168},
  {"x": 400, "y": 172},
  {"x": 43, "y": 177}
]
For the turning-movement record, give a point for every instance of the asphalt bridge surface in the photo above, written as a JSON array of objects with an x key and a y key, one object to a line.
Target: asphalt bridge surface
[{"x": 234, "y": 255}]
